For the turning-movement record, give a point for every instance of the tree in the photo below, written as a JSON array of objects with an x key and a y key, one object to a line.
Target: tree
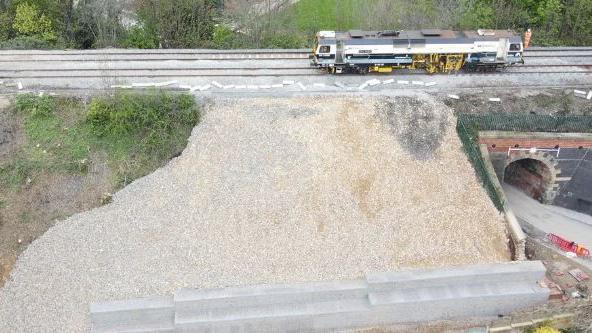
[
  {"x": 5, "y": 25},
  {"x": 29, "y": 22},
  {"x": 477, "y": 14},
  {"x": 179, "y": 23},
  {"x": 99, "y": 22},
  {"x": 577, "y": 25}
]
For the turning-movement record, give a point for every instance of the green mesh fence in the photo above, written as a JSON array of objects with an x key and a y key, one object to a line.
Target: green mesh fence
[
  {"x": 528, "y": 122},
  {"x": 469, "y": 125},
  {"x": 469, "y": 136}
]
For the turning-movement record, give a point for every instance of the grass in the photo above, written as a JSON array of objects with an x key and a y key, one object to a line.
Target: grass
[
  {"x": 306, "y": 17},
  {"x": 25, "y": 217},
  {"x": 138, "y": 133},
  {"x": 51, "y": 145},
  {"x": 303, "y": 19},
  {"x": 315, "y": 15}
]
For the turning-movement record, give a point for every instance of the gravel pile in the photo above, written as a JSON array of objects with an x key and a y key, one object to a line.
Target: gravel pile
[{"x": 269, "y": 190}]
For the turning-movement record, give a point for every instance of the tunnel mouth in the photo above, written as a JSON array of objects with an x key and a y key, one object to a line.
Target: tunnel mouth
[{"x": 531, "y": 176}]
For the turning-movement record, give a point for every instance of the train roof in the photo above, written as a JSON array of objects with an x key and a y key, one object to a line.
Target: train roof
[{"x": 427, "y": 35}]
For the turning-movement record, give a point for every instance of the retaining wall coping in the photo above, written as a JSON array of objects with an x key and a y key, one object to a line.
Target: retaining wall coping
[
  {"x": 276, "y": 312},
  {"x": 191, "y": 295},
  {"x": 453, "y": 276},
  {"x": 514, "y": 225},
  {"x": 530, "y": 135},
  {"x": 460, "y": 293},
  {"x": 472, "y": 270},
  {"x": 155, "y": 302},
  {"x": 149, "y": 314}
]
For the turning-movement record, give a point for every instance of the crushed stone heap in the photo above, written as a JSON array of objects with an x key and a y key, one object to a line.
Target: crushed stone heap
[{"x": 269, "y": 190}]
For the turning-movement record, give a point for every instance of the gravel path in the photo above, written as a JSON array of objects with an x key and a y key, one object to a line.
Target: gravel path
[{"x": 268, "y": 190}]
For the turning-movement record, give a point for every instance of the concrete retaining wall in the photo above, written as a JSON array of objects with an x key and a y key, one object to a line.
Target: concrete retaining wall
[
  {"x": 379, "y": 299},
  {"x": 517, "y": 236}
]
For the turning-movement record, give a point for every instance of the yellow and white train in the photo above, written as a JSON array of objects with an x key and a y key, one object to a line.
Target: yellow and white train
[{"x": 433, "y": 50}]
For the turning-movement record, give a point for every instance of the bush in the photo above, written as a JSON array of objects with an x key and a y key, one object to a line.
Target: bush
[
  {"x": 28, "y": 21},
  {"x": 223, "y": 37},
  {"x": 5, "y": 26},
  {"x": 151, "y": 117},
  {"x": 36, "y": 106},
  {"x": 139, "y": 37},
  {"x": 141, "y": 130},
  {"x": 180, "y": 23},
  {"x": 283, "y": 40},
  {"x": 26, "y": 43}
]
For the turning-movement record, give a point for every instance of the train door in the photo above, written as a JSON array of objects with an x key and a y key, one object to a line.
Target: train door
[
  {"x": 502, "y": 50},
  {"x": 339, "y": 52}
]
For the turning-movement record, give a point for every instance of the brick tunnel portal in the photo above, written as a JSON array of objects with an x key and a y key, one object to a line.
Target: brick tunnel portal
[{"x": 531, "y": 176}]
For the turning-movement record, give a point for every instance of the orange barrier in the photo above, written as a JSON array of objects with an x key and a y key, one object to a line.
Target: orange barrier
[
  {"x": 566, "y": 245},
  {"x": 527, "y": 36}
]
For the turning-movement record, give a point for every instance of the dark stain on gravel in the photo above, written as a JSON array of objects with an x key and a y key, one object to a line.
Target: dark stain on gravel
[{"x": 418, "y": 128}]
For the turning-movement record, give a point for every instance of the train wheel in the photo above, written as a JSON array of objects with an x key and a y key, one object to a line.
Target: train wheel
[{"x": 363, "y": 70}]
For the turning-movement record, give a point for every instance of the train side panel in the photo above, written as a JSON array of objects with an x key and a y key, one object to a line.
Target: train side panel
[{"x": 339, "y": 54}]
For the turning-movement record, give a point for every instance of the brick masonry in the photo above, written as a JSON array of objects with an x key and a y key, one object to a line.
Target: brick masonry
[{"x": 568, "y": 158}]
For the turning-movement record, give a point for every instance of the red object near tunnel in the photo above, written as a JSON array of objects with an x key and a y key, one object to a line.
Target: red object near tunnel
[{"x": 569, "y": 246}]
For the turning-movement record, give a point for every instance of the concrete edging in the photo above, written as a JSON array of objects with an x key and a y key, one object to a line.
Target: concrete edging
[
  {"x": 381, "y": 299},
  {"x": 531, "y": 135},
  {"x": 517, "y": 235}
]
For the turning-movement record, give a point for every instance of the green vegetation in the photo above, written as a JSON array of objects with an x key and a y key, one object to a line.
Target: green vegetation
[
  {"x": 548, "y": 327},
  {"x": 29, "y": 22},
  {"x": 554, "y": 22},
  {"x": 207, "y": 23},
  {"x": 140, "y": 38},
  {"x": 312, "y": 16},
  {"x": 468, "y": 132},
  {"x": 138, "y": 133},
  {"x": 179, "y": 23}
]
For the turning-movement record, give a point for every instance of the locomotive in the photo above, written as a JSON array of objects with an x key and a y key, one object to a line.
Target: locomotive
[{"x": 433, "y": 50}]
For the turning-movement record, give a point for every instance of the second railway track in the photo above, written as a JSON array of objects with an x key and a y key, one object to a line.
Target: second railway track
[
  {"x": 188, "y": 54},
  {"x": 44, "y": 68},
  {"x": 263, "y": 72}
]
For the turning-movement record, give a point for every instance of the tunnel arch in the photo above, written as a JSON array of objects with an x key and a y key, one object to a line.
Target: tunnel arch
[{"x": 535, "y": 173}]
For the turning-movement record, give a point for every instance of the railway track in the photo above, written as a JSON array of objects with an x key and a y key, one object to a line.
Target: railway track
[
  {"x": 251, "y": 72},
  {"x": 75, "y": 68},
  {"x": 150, "y": 55},
  {"x": 303, "y": 70},
  {"x": 184, "y": 54}
]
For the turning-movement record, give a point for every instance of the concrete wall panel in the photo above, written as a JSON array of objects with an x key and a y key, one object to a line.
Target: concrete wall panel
[
  {"x": 150, "y": 314},
  {"x": 380, "y": 299}
]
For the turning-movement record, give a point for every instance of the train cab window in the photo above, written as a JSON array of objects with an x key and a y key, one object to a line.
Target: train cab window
[
  {"x": 325, "y": 49},
  {"x": 514, "y": 47}
]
